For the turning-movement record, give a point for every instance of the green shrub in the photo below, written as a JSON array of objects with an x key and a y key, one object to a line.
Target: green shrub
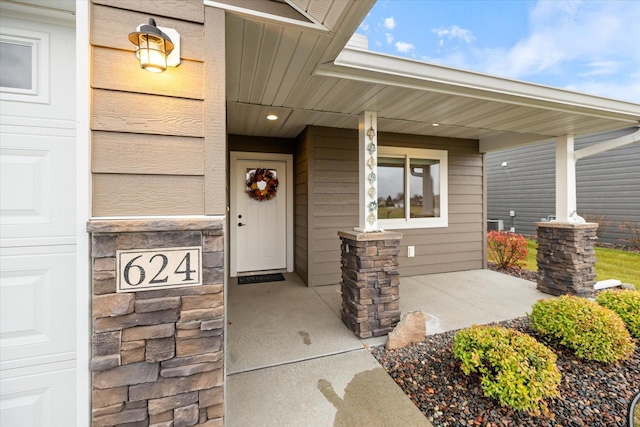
[
  {"x": 625, "y": 304},
  {"x": 508, "y": 250},
  {"x": 515, "y": 368},
  {"x": 591, "y": 331}
]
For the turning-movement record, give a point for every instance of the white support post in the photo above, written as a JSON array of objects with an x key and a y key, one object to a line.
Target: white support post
[
  {"x": 565, "y": 179},
  {"x": 368, "y": 171}
]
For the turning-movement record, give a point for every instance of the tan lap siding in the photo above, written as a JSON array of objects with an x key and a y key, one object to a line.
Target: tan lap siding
[
  {"x": 333, "y": 194},
  {"x": 158, "y": 140},
  {"x": 460, "y": 245}
]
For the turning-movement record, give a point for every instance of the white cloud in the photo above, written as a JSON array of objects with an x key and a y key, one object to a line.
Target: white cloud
[
  {"x": 455, "y": 32},
  {"x": 568, "y": 33},
  {"x": 389, "y": 23},
  {"x": 601, "y": 68},
  {"x": 389, "y": 37},
  {"x": 404, "y": 47},
  {"x": 364, "y": 27}
]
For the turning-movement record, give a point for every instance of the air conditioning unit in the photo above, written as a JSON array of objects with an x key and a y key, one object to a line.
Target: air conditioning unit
[{"x": 495, "y": 225}]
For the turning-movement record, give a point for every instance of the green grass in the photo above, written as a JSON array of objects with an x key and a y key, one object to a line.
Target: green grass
[
  {"x": 390, "y": 213},
  {"x": 610, "y": 264}
]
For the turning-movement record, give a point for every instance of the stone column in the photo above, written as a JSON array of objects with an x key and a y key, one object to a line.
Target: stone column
[
  {"x": 566, "y": 258},
  {"x": 157, "y": 355},
  {"x": 370, "y": 282}
]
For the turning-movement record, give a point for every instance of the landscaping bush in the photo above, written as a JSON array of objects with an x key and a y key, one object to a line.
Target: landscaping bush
[
  {"x": 514, "y": 368},
  {"x": 625, "y": 304},
  {"x": 591, "y": 331},
  {"x": 508, "y": 250},
  {"x": 633, "y": 228}
]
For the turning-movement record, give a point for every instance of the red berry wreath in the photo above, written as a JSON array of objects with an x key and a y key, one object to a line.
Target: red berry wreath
[{"x": 262, "y": 184}]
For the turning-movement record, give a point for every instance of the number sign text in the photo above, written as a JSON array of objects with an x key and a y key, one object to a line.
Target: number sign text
[{"x": 162, "y": 268}]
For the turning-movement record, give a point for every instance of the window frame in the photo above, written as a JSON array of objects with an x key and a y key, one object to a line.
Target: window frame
[
  {"x": 39, "y": 43},
  {"x": 419, "y": 153}
]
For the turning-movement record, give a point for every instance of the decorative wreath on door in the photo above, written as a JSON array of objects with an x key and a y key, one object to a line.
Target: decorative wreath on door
[{"x": 262, "y": 184}]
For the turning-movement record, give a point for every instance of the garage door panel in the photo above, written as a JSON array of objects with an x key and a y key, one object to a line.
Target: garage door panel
[
  {"x": 37, "y": 319},
  {"x": 38, "y": 399},
  {"x": 38, "y": 225},
  {"x": 37, "y": 189}
]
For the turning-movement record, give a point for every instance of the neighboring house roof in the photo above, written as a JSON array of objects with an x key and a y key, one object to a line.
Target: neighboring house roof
[{"x": 307, "y": 77}]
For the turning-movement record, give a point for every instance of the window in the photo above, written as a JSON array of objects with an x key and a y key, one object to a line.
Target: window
[
  {"x": 24, "y": 66},
  {"x": 412, "y": 188}
]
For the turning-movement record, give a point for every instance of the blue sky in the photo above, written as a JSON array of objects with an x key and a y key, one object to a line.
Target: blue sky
[{"x": 586, "y": 46}]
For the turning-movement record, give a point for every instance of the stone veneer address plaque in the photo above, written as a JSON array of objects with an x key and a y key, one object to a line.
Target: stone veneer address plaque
[
  {"x": 161, "y": 268},
  {"x": 158, "y": 322}
]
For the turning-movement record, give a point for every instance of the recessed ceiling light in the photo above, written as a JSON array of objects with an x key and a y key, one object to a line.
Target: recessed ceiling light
[
  {"x": 272, "y": 117},
  {"x": 435, "y": 124}
]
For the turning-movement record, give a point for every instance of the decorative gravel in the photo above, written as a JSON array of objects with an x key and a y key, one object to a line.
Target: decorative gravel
[
  {"x": 515, "y": 272},
  {"x": 592, "y": 394}
]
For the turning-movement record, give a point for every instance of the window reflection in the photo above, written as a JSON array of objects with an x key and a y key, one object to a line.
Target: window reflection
[
  {"x": 424, "y": 188},
  {"x": 391, "y": 179}
]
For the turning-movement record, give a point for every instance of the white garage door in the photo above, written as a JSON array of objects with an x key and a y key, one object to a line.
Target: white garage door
[{"x": 37, "y": 234}]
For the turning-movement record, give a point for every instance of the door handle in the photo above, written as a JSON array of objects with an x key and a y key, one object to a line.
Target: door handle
[{"x": 241, "y": 224}]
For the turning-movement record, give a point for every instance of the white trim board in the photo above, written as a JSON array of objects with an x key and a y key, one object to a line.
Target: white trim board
[{"x": 83, "y": 212}]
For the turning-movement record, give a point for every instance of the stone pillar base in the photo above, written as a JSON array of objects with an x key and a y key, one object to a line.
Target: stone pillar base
[
  {"x": 566, "y": 258},
  {"x": 370, "y": 282}
]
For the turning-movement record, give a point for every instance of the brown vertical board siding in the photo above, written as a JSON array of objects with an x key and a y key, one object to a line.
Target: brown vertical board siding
[
  {"x": 147, "y": 195},
  {"x": 334, "y": 192},
  {"x": 301, "y": 207},
  {"x": 215, "y": 112},
  {"x": 107, "y": 21},
  {"x": 186, "y": 10},
  {"x": 118, "y": 70}
]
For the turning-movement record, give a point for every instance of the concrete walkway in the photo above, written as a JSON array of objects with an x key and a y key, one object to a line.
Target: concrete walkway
[{"x": 291, "y": 361}]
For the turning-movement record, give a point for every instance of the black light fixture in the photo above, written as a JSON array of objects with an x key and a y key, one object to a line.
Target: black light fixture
[{"x": 153, "y": 47}]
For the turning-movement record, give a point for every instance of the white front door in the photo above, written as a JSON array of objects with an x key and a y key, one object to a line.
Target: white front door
[
  {"x": 37, "y": 224},
  {"x": 259, "y": 228}
]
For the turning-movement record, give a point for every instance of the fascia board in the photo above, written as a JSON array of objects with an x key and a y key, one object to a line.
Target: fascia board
[
  {"x": 270, "y": 18},
  {"x": 367, "y": 66}
]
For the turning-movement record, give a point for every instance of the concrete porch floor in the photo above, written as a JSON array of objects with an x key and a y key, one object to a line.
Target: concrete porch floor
[{"x": 292, "y": 362}]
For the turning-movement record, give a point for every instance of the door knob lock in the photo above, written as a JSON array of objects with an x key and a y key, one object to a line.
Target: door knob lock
[{"x": 241, "y": 224}]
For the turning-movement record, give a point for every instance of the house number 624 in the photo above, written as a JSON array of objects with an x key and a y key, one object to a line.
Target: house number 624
[
  {"x": 186, "y": 261},
  {"x": 158, "y": 268}
]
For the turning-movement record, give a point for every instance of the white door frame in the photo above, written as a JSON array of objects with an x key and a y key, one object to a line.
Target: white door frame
[{"x": 233, "y": 188}]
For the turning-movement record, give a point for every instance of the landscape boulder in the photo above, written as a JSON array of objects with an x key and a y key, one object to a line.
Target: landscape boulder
[{"x": 412, "y": 328}]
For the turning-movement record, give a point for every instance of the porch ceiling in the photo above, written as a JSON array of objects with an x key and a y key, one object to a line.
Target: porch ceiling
[{"x": 305, "y": 77}]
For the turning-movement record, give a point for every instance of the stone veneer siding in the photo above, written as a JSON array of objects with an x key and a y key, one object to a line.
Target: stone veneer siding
[
  {"x": 566, "y": 258},
  {"x": 370, "y": 282},
  {"x": 157, "y": 355}
]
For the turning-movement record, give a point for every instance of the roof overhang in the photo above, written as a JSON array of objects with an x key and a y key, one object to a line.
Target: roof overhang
[{"x": 308, "y": 77}]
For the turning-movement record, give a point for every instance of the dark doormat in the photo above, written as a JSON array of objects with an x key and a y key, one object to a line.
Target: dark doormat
[{"x": 260, "y": 278}]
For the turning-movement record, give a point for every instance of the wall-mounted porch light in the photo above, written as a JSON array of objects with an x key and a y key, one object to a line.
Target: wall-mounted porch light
[{"x": 157, "y": 48}]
